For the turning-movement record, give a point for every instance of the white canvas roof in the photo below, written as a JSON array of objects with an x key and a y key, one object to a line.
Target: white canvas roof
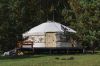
[{"x": 48, "y": 26}]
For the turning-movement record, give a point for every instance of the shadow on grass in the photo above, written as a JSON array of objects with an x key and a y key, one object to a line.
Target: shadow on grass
[
  {"x": 42, "y": 55},
  {"x": 20, "y": 57}
]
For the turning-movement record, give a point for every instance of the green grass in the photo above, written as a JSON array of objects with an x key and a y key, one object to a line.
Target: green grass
[{"x": 49, "y": 60}]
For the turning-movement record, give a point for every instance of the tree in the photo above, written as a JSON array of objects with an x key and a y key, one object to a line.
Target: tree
[{"x": 18, "y": 16}]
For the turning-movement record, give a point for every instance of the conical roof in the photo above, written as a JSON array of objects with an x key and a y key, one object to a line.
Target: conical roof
[{"x": 49, "y": 26}]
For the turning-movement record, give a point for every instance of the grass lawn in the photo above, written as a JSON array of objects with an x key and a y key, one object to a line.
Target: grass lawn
[{"x": 51, "y": 60}]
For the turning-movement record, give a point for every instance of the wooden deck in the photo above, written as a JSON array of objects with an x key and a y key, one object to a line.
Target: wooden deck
[{"x": 47, "y": 50}]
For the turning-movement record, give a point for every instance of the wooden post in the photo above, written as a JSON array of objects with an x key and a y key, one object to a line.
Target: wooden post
[
  {"x": 83, "y": 50},
  {"x": 50, "y": 52},
  {"x": 67, "y": 51},
  {"x": 33, "y": 48}
]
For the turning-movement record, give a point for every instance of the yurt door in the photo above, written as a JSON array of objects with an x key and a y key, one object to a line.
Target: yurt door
[{"x": 50, "y": 39}]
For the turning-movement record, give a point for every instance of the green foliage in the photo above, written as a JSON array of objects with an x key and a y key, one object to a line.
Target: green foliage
[{"x": 18, "y": 16}]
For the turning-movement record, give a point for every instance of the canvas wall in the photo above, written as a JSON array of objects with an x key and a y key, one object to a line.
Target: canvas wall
[{"x": 50, "y": 39}]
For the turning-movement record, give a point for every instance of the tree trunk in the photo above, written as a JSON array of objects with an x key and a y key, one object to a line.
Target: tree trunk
[{"x": 92, "y": 46}]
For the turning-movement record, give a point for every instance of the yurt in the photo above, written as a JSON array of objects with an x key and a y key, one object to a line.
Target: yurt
[{"x": 49, "y": 34}]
